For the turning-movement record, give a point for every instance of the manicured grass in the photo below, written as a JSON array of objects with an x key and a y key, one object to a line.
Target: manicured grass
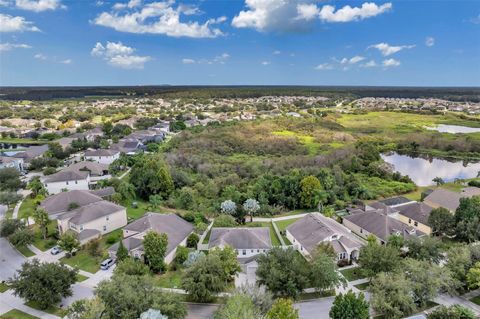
[
  {"x": 22, "y": 141},
  {"x": 3, "y": 287},
  {"x": 316, "y": 295},
  {"x": 45, "y": 244},
  {"x": 17, "y": 314},
  {"x": 352, "y": 274},
  {"x": 207, "y": 238},
  {"x": 139, "y": 211},
  {"x": 476, "y": 300},
  {"x": 273, "y": 235},
  {"x": 25, "y": 251},
  {"x": 283, "y": 224},
  {"x": 53, "y": 310},
  {"x": 170, "y": 279},
  {"x": 294, "y": 212},
  {"x": 81, "y": 278},
  {"x": 26, "y": 208},
  {"x": 83, "y": 261},
  {"x": 363, "y": 286}
]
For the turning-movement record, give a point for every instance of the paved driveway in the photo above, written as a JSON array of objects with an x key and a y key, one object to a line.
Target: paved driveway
[
  {"x": 199, "y": 311},
  {"x": 315, "y": 309},
  {"x": 10, "y": 259}
]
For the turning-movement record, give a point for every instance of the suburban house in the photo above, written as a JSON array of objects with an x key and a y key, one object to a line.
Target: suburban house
[
  {"x": 247, "y": 242},
  {"x": 416, "y": 215},
  {"x": 32, "y": 152},
  {"x": 378, "y": 219},
  {"x": 450, "y": 200},
  {"x": 129, "y": 147},
  {"x": 102, "y": 156},
  {"x": 77, "y": 176},
  {"x": 176, "y": 228},
  {"x": 313, "y": 229},
  {"x": 85, "y": 214},
  {"x": 11, "y": 162}
]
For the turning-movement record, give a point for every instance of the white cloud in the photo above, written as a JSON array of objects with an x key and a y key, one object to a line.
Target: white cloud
[
  {"x": 324, "y": 66},
  {"x": 10, "y": 46},
  {"x": 40, "y": 56},
  {"x": 4, "y": 3},
  {"x": 188, "y": 61},
  {"x": 265, "y": 62},
  {"x": 352, "y": 60},
  {"x": 158, "y": 18},
  {"x": 475, "y": 20},
  {"x": 347, "y": 13},
  {"x": 276, "y": 52},
  {"x": 39, "y": 5},
  {"x": 390, "y": 63},
  {"x": 66, "y": 61},
  {"x": 293, "y": 15},
  {"x": 386, "y": 49},
  {"x": 10, "y": 23},
  {"x": 369, "y": 64},
  {"x": 429, "y": 41},
  {"x": 119, "y": 55}
]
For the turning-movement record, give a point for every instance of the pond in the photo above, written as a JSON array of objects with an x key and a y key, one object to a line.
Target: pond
[
  {"x": 454, "y": 129},
  {"x": 422, "y": 170}
]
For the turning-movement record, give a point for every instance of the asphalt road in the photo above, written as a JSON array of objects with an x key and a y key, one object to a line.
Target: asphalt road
[
  {"x": 10, "y": 259},
  {"x": 315, "y": 309}
]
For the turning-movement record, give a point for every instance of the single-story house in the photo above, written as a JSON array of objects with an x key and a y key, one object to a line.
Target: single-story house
[
  {"x": 416, "y": 215},
  {"x": 176, "y": 228},
  {"x": 11, "y": 162},
  {"x": 364, "y": 223},
  {"x": 102, "y": 156},
  {"x": 247, "y": 242},
  {"x": 313, "y": 229}
]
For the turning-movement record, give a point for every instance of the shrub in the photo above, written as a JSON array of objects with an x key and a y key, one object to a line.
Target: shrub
[
  {"x": 225, "y": 221},
  {"x": 192, "y": 240},
  {"x": 49, "y": 171}
]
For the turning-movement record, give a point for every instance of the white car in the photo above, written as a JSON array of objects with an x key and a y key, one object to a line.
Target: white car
[
  {"x": 107, "y": 263},
  {"x": 56, "y": 250}
]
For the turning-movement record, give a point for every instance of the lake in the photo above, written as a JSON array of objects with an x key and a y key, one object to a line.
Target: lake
[
  {"x": 422, "y": 170},
  {"x": 454, "y": 129}
]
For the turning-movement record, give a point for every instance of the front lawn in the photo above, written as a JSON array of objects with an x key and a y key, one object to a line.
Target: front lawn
[
  {"x": 363, "y": 286},
  {"x": 476, "y": 300},
  {"x": 17, "y": 314},
  {"x": 26, "y": 208},
  {"x": 170, "y": 279},
  {"x": 81, "y": 278},
  {"x": 82, "y": 260},
  {"x": 53, "y": 310},
  {"x": 352, "y": 274},
  {"x": 25, "y": 251},
  {"x": 45, "y": 244}
]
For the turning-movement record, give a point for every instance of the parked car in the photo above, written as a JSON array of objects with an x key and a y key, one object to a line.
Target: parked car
[
  {"x": 107, "y": 263},
  {"x": 56, "y": 250}
]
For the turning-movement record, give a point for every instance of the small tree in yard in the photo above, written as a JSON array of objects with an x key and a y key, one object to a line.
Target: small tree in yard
[
  {"x": 131, "y": 267},
  {"x": 452, "y": 312},
  {"x": 42, "y": 219},
  {"x": 155, "y": 247},
  {"x": 473, "y": 276},
  {"x": 237, "y": 306},
  {"x": 251, "y": 206},
  {"x": 438, "y": 180},
  {"x": 324, "y": 274},
  {"x": 192, "y": 240},
  {"x": 9, "y": 226},
  {"x": 228, "y": 207},
  {"x": 283, "y": 309},
  {"x": 441, "y": 221},
  {"x": 122, "y": 252},
  {"x": 229, "y": 262},
  {"x": 68, "y": 242},
  {"x": 22, "y": 237},
  {"x": 43, "y": 283},
  {"x": 350, "y": 306}
]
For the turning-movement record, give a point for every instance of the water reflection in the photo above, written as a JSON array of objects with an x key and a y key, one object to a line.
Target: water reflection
[
  {"x": 454, "y": 129},
  {"x": 422, "y": 170}
]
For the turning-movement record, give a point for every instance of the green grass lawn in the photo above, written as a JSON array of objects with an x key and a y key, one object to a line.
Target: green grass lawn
[
  {"x": 170, "y": 279},
  {"x": 352, "y": 274},
  {"x": 476, "y": 300},
  {"x": 50, "y": 241},
  {"x": 82, "y": 260},
  {"x": 273, "y": 235},
  {"x": 283, "y": 224},
  {"x": 81, "y": 278},
  {"x": 17, "y": 314},
  {"x": 363, "y": 286},
  {"x": 3, "y": 287},
  {"x": 16, "y": 140},
  {"x": 25, "y": 251},
  {"x": 53, "y": 310},
  {"x": 139, "y": 211},
  {"x": 26, "y": 208},
  {"x": 207, "y": 237}
]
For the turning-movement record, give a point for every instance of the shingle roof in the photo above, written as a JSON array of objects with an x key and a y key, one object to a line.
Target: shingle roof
[
  {"x": 176, "y": 228},
  {"x": 130, "y": 243},
  {"x": 101, "y": 152},
  {"x": 381, "y": 225},
  {"x": 59, "y": 203},
  {"x": 241, "y": 238},
  {"x": 87, "y": 233},
  {"x": 32, "y": 152},
  {"x": 444, "y": 198},
  {"x": 93, "y": 167},
  {"x": 394, "y": 201},
  {"x": 416, "y": 211},
  {"x": 314, "y": 228},
  {"x": 90, "y": 212},
  {"x": 103, "y": 192},
  {"x": 66, "y": 175}
]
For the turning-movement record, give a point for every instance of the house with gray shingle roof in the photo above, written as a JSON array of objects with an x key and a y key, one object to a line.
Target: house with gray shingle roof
[
  {"x": 313, "y": 229},
  {"x": 176, "y": 228},
  {"x": 247, "y": 242},
  {"x": 416, "y": 215},
  {"x": 102, "y": 156}
]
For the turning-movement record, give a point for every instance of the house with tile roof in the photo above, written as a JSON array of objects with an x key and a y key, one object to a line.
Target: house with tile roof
[{"x": 313, "y": 229}]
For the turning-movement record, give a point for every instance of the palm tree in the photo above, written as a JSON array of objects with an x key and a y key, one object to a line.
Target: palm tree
[{"x": 42, "y": 219}]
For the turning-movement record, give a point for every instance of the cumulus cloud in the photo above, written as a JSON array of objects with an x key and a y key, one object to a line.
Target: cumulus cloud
[
  {"x": 158, "y": 18},
  {"x": 386, "y": 49},
  {"x": 265, "y": 62},
  {"x": 10, "y": 23},
  {"x": 119, "y": 55},
  {"x": 390, "y": 63},
  {"x": 40, "y": 56},
  {"x": 188, "y": 61},
  {"x": 352, "y": 60},
  {"x": 292, "y": 15},
  {"x": 66, "y": 61},
  {"x": 324, "y": 66},
  {"x": 39, "y": 5},
  {"x": 10, "y": 46},
  {"x": 429, "y": 41},
  {"x": 369, "y": 64},
  {"x": 276, "y": 52}
]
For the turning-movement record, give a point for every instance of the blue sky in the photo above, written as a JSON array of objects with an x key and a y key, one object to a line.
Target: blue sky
[{"x": 235, "y": 42}]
